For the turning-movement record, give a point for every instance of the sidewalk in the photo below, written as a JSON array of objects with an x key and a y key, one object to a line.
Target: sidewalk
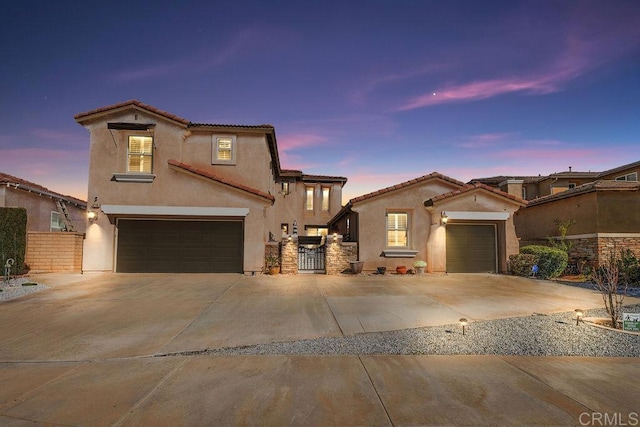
[{"x": 320, "y": 390}]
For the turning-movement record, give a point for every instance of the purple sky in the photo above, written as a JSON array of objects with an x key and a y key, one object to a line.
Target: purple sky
[{"x": 377, "y": 91}]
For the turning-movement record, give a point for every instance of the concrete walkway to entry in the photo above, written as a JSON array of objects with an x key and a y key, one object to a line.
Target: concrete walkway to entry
[{"x": 90, "y": 351}]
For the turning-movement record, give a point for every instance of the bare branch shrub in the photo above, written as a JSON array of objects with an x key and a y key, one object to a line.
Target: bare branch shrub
[{"x": 611, "y": 285}]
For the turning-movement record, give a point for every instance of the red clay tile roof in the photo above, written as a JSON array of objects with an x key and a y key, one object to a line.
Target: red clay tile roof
[
  {"x": 13, "y": 181},
  {"x": 434, "y": 175},
  {"x": 471, "y": 187},
  {"x": 225, "y": 181},
  {"x": 132, "y": 102},
  {"x": 601, "y": 185}
]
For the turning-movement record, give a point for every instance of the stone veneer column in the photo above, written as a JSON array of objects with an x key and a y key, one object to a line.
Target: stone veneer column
[
  {"x": 339, "y": 254},
  {"x": 289, "y": 255}
]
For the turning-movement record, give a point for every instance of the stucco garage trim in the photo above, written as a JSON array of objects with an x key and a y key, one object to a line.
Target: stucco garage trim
[
  {"x": 477, "y": 216},
  {"x": 173, "y": 210}
]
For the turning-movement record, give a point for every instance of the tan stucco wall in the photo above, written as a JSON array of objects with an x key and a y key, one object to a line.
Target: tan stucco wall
[
  {"x": 173, "y": 187},
  {"x": 475, "y": 201},
  {"x": 594, "y": 212},
  {"x": 291, "y": 207},
  {"x": 372, "y": 223},
  {"x": 427, "y": 234},
  {"x": 39, "y": 209}
]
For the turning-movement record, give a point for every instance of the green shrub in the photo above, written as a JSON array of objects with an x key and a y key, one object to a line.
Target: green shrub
[
  {"x": 629, "y": 268},
  {"x": 13, "y": 238},
  {"x": 521, "y": 264},
  {"x": 551, "y": 261}
]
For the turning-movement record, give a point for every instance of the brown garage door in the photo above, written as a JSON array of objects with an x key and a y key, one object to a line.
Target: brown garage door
[
  {"x": 471, "y": 248},
  {"x": 155, "y": 246}
]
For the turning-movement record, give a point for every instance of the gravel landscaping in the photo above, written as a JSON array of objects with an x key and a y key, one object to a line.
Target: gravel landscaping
[
  {"x": 15, "y": 288},
  {"x": 535, "y": 335}
]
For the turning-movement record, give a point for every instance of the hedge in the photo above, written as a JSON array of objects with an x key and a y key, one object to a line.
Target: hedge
[
  {"x": 521, "y": 264},
  {"x": 13, "y": 238},
  {"x": 551, "y": 261}
]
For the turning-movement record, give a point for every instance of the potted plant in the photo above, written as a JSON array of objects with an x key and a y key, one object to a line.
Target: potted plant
[
  {"x": 401, "y": 269},
  {"x": 273, "y": 264},
  {"x": 419, "y": 265}
]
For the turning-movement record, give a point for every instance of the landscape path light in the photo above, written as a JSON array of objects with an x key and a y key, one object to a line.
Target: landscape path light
[
  {"x": 463, "y": 323},
  {"x": 579, "y": 314}
]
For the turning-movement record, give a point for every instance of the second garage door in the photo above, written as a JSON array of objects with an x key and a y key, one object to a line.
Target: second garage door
[
  {"x": 471, "y": 248},
  {"x": 156, "y": 246}
]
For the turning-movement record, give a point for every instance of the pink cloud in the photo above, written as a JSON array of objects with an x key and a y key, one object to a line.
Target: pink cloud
[{"x": 478, "y": 90}]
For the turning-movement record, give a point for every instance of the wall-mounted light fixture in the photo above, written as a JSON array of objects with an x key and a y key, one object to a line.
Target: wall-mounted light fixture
[
  {"x": 335, "y": 237},
  {"x": 463, "y": 323},
  {"x": 444, "y": 218},
  {"x": 92, "y": 213},
  {"x": 579, "y": 314}
]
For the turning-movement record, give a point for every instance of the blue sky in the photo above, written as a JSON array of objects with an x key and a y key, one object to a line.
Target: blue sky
[{"x": 377, "y": 91}]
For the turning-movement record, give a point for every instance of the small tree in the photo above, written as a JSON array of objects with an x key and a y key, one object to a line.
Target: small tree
[
  {"x": 611, "y": 285},
  {"x": 562, "y": 243}
]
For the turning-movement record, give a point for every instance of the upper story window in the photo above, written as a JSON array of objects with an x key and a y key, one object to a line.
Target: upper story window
[
  {"x": 572, "y": 185},
  {"x": 309, "y": 198},
  {"x": 326, "y": 192},
  {"x": 628, "y": 177},
  {"x": 524, "y": 193},
  {"x": 224, "y": 150},
  {"x": 397, "y": 229},
  {"x": 285, "y": 188},
  {"x": 140, "y": 154}
]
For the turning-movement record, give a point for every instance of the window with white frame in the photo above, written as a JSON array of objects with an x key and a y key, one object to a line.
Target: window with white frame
[
  {"x": 140, "y": 154},
  {"x": 224, "y": 150},
  {"x": 633, "y": 176},
  {"x": 309, "y": 198},
  {"x": 57, "y": 223},
  {"x": 326, "y": 192},
  {"x": 397, "y": 229}
]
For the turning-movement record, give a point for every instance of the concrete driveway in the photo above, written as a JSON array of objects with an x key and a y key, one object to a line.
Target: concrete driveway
[{"x": 98, "y": 340}]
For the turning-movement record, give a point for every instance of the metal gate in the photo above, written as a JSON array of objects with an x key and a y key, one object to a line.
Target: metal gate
[{"x": 311, "y": 258}]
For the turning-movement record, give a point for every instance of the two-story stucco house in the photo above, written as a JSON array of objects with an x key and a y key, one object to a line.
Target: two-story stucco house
[{"x": 170, "y": 195}]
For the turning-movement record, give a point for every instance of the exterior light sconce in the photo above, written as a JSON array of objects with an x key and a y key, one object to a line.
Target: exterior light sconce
[
  {"x": 335, "y": 237},
  {"x": 463, "y": 323},
  {"x": 444, "y": 218},
  {"x": 92, "y": 213},
  {"x": 579, "y": 315},
  {"x": 289, "y": 238}
]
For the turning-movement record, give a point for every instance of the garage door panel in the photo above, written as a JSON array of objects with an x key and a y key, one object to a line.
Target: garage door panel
[
  {"x": 471, "y": 248},
  {"x": 180, "y": 246}
]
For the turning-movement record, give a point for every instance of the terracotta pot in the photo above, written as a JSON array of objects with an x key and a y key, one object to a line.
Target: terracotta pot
[
  {"x": 274, "y": 270},
  {"x": 356, "y": 267},
  {"x": 401, "y": 269}
]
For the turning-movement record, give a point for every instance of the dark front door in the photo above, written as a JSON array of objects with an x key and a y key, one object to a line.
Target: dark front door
[
  {"x": 471, "y": 248},
  {"x": 165, "y": 246}
]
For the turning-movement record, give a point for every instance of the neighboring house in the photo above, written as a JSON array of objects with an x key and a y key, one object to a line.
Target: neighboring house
[
  {"x": 176, "y": 196},
  {"x": 603, "y": 205},
  {"x": 533, "y": 187},
  {"x": 45, "y": 208},
  {"x": 455, "y": 227},
  {"x": 605, "y": 214}
]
